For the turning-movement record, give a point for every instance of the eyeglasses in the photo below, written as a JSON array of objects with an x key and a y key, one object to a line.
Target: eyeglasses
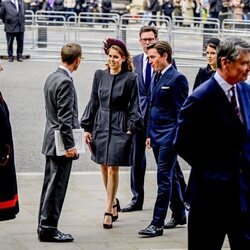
[{"x": 147, "y": 39}]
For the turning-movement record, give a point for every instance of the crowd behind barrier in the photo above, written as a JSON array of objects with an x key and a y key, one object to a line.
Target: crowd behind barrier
[{"x": 49, "y": 30}]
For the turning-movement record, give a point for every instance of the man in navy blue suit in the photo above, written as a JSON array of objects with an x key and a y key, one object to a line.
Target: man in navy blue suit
[
  {"x": 213, "y": 136},
  {"x": 169, "y": 91},
  {"x": 147, "y": 36}
]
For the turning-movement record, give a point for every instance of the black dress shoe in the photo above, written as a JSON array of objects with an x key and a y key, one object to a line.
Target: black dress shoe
[
  {"x": 19, "y": 59},
  {"x": 175, "y": 222},
  {"x": 11, "y": 59},
  {"x": 131, "y": 207},
  {"x": 54, "y": 236},
  {"x": 151, "y": 231}
]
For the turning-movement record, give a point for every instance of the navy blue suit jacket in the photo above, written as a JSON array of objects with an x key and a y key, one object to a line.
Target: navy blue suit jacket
[
  {"x": 213, "y": 140},
  {"x": 167, "y": 97},
  {"x": 144, "y": 93}
]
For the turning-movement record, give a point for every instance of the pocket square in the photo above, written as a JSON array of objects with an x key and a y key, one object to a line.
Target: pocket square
[{"x": 165, "y": 87}]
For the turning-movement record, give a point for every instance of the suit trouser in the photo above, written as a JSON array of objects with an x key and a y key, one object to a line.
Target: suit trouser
[
  {"x": 214, "y": 213},
  {"x": 165, "y": 159},
  {"x": 138, "y": 168},
  {"x": 57, "y": 172},
  {"x": 177, "y": 204},
  {"x": 19, "y": 39}
]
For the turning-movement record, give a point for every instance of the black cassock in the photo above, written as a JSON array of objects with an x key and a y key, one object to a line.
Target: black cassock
[{"x": 8, "y": 185}]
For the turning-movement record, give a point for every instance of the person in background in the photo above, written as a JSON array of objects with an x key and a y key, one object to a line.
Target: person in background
[
  {"x": 215, "y": 6},
  {"x": 146, "y": 12},
  {"x": 167, "y": 8},
  {"x": 9, "y": 201},
  {"x": 237, "y": 9},
  {"x": 213, "y": 137},
  {"x": 188, "y": 8},
  {"x": 246, "y": 9},
  {"x": 169, "y": 91},
  {"x": 12, "y": 13},
  {"x": 177, "y": 12},
  {"x": 110, "y": 120},
  {"x": 106, "y": 8},
  {"x": 62, "y": 114},
  {"x": 153, "y": 8},
  {"x": 205, "y": 73}
]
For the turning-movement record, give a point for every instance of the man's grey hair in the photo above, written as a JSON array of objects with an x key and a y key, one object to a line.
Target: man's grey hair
[{"x": 230, "y": 48}]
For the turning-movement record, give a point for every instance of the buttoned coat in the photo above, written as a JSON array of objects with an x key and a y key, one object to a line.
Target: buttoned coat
[
  {"x": 61, "y": 111},
  {"x": 112, "y": 110},
  {"x": 14, "y": 21}
]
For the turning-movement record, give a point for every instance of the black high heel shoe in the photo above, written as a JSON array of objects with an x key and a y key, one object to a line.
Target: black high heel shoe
[
  {"x": 118, "y": 208},
  {"x": 108, "y": 226}
]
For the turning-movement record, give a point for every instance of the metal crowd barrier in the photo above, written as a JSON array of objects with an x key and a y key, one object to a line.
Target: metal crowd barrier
[{"x": 47, "y": 31}]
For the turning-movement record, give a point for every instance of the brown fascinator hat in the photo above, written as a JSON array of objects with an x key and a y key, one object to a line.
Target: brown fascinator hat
[{"x": 110, "y": 42}]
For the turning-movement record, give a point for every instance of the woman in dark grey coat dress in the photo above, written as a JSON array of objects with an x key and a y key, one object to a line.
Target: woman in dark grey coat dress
[{"x": 110, "y": 119}]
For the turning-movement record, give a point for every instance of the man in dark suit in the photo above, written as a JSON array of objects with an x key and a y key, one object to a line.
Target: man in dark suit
[
  {"x": 168, "y": 94},
  {"x": 213, "y": 136},
  {"x": 62, "y": 114},
  {"x": 149, "y": 35},
  {"x": 12, "y": 13}
]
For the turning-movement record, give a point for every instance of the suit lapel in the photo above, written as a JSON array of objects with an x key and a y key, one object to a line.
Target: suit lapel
[
  {"x": 140, "y": 71},
  {"x": 243, "y": 91},
  {"x": 165, "y": 78}
]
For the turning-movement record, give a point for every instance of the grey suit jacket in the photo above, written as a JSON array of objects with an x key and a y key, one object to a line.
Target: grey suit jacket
[
  {"x": 13, "y": 21},
  {"x": 61, "y": 110}
]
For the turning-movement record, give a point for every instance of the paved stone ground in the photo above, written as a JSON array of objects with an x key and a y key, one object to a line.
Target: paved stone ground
[{"x": 82, "y": 216}]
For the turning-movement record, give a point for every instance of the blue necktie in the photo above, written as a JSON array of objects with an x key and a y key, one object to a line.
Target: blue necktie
[{"x": 148, "y": 75}]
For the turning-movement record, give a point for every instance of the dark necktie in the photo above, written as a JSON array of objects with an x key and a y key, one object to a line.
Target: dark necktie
[
  {"x": 157, "y": 77},
  {"x": 148, "y": 75},
  {"x": 234, "y": 103}
]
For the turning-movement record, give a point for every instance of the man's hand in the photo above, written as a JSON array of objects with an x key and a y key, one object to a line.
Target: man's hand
[
  {"x": 148, "y": 143},
  {"x": 87, "y": 137},
  {"x": 70, "y": 153}
]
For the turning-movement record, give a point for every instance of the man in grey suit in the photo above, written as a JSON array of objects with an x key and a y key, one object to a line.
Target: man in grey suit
[
  {"x": 12, "y": 13},
  {"x": 62, "y": 114}
]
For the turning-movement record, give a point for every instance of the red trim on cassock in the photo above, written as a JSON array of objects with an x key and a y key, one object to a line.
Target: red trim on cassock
[{"x": 9, "y": 204}]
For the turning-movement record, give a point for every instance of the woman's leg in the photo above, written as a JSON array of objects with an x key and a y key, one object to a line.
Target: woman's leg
[{"x": 111, "y": 179}]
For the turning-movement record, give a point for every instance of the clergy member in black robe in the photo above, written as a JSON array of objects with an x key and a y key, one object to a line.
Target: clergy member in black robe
[{"x": 8, "y": 185}]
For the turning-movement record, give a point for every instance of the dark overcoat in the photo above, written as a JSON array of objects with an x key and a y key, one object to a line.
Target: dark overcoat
[
  {"x": 216, "y": 144},
  {"x": 8, "y": 186},
  {"x": 112, "y": 110}
]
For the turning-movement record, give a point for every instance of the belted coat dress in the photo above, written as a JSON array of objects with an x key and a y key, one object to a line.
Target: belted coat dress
[{"x": 113, "y": 108}]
